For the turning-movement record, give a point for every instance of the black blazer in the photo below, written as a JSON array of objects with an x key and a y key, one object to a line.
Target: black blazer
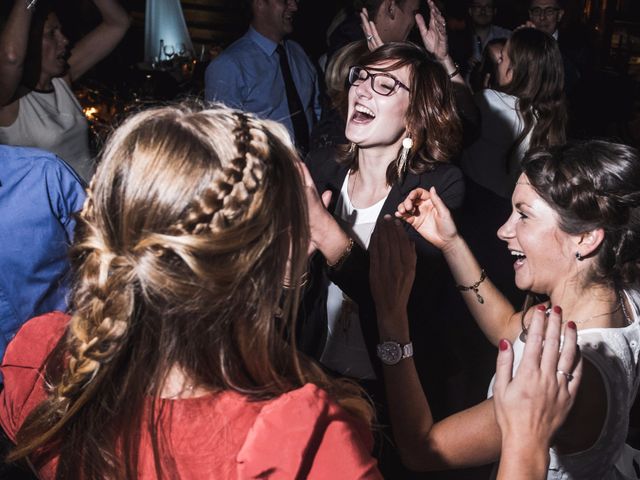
[{"x": 427, "y": 309}]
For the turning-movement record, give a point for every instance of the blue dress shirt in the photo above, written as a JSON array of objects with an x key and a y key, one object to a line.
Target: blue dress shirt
[
  {"x": 247, "y": 76},
  {"x": 38, "y": 195}
]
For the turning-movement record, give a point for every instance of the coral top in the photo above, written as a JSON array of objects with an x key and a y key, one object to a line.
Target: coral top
[{"x": 301, "y": 434}]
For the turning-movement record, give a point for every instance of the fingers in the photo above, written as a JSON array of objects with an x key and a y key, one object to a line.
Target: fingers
[
  {"x": 569, "y": 356},
  {"x": 436, "y": 17},
  {"x": 370, "y": 30},
  {"x": 504, "y": 368},
  {"x": 307, "y": 180},
  {"x": 401, "y": 246},
  {"x": 412, "y": 202},
  {"x": 326, "y": 198},
  {"x": 374, "y": 255},
  {"x": 551, "y": 353},
  {"x": 577, "y": 378},
  {"x": 535, "y": 338},
  {"x": 422, "y": 25},
  {"x": 439, "y": 205}
]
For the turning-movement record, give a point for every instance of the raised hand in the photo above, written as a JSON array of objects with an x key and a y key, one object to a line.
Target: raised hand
[
  {"x": 319, "y": 216},
  {"x": 428, "y": 215},
  {"x": 370, "y": 31},
  {"x": 392, "y": 267},
  {"x": 533, "y": 404},
  {"x": 434, "y": 37}
]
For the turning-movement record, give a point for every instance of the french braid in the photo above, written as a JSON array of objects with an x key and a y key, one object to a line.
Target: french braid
[{"x": 231, "y": 192}]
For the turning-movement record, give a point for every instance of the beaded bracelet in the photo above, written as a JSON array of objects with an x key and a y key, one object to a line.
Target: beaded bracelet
[
  {"x": 455, "y": 72},
  {"x": 474, "y": 287},
  {"x": 343, "y": 256}
]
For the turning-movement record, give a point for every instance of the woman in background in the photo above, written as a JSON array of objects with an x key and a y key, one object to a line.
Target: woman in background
[{"x": 37, "y": 68}]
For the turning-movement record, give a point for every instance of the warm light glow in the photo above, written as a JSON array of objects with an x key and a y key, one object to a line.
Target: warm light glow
[{"x": 91, "y": 113}]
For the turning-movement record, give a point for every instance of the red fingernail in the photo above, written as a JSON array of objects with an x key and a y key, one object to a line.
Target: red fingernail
[
  {"x": 542, "y": 308},
  {"x": 557, "y": 309},
  {"x": 571, "y": 325},
  {"x": 503, "y": 345}
]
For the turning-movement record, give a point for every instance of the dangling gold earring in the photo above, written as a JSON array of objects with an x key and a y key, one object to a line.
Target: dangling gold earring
[{"x": 407, "y": 144}]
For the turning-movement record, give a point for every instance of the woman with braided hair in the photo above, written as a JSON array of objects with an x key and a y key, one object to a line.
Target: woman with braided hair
[
  {"x": 574, "y": 233},
  {"x": 178, "y": 359}
]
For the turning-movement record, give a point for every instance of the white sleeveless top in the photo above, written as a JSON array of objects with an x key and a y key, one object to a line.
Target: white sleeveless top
[
  {"x": 614, "y": 352},
  {"x": 54, "y": 122}
]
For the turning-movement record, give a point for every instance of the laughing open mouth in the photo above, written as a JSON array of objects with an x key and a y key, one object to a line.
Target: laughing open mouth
[
  {"x": 363, "y": 114},
  {"x": 520, "y": 256}
]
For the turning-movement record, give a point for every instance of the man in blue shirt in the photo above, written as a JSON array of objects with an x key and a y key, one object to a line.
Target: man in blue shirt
[
  {"x": 250, "y": 75},
  {"x": 39, "y": 194}
]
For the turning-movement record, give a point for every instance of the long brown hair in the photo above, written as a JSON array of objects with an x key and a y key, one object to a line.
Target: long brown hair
[
  {"x": 432, "y": 119},
  {"x": 538, "y": 82},
  {"x": 194, "y": 222}
]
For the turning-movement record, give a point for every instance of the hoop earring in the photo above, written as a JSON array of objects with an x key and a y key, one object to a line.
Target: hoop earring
[
  {"x": 579, "y": 256},
  {"x": 407, "y": 144}
]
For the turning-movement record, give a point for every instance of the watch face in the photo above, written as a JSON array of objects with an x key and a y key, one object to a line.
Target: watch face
[{"x": 390, "y": 352}]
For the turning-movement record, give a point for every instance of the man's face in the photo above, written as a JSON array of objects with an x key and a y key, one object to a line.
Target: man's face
[
  {"x": 546, "y": 15},
  {"x": 482, "y": 12},
  {"x": 277, "y": 16}
]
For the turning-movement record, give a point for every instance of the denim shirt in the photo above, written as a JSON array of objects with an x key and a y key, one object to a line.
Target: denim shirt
[{"x": 39, "y": 194}]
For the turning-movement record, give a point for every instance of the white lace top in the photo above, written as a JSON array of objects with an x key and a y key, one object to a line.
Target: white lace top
[{"x": 614, "y": 352}]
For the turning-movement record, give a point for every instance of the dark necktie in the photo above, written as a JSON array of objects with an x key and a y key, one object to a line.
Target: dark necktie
[{"x": 296, "y": 110}]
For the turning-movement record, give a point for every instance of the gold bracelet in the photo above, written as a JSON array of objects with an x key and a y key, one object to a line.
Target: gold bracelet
[
  {"x": 474, "y": 287},
  {"x": 343, "y": 256}
]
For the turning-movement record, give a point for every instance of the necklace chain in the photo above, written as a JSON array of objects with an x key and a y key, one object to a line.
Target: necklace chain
[{"x": 621, "y": 306}]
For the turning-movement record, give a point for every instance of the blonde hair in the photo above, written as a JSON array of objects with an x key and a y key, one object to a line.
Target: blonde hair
[
  {"x": 193, "y": 223},
  {"x": 337, "y": 73}
]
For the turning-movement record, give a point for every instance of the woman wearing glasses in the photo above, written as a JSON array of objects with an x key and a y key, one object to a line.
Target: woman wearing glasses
[{"x": 403, "y": 129}]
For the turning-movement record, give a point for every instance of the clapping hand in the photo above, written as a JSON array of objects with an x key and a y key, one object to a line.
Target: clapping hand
[
  {"x": 533, "y": 404},
  {"x": 434, "y": 37},
  {"x": 392, "y": 268},
  {"x": 428, "y": 215},
  {"x": 370, "y": 31},
  {"x": 317, "y": 205}
]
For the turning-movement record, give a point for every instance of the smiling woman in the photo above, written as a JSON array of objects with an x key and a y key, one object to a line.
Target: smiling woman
[
  {"x": 403, "y": 129},
  {"x": 575, "y": 236}
]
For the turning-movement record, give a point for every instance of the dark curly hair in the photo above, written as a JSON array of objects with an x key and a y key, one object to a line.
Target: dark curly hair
[{"x": 591, "y": 185}]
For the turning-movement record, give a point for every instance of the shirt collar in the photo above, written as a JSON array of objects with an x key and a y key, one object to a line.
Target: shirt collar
[
  {"x": 266, "y": 44},
  {"x": 555, "y": 34}
]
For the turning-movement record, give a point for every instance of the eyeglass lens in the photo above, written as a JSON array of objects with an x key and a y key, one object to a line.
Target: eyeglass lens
[{"x": 381, "y": 83}]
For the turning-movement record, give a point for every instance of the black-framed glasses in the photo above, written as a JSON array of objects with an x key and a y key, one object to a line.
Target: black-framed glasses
[
  {"x": 382, "y": 83},
  {"x": 539, "y": 12}
]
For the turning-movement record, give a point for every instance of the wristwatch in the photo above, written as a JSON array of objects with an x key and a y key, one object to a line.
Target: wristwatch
[{"x": 392, "y": 352}]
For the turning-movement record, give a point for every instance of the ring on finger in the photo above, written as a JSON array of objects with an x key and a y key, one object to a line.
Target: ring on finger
[
  {"x": 369, "y": 38},
  {"x": 568, "y": 376}
]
